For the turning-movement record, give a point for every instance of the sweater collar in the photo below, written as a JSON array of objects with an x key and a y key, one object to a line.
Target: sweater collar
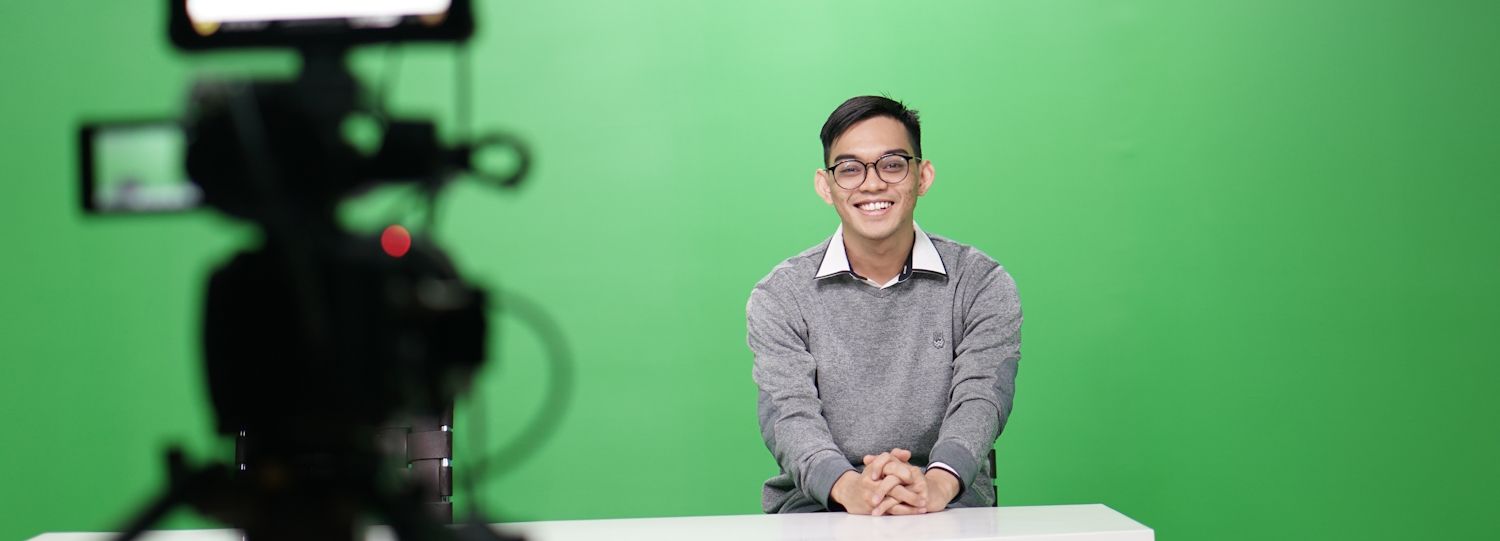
[{"x": 922, "y": 257}]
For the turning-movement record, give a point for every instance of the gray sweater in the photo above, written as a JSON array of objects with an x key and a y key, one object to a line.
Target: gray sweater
[{"x": 846, "y": 369}]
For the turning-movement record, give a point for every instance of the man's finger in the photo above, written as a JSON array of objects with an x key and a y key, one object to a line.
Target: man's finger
[
  {"x": 903, "y": 509},
  {"x": 908, "y": 497},
  {"x": 884, "y": 488},
  {"x": 885, "y": 505},
  {"x": 919, "y": 483},
  {"x": 901, "y": 454},
  {"x": 898, "y": 469},
  {"x": 901, "y": 470},
  {"x": 875, "y": 468}
]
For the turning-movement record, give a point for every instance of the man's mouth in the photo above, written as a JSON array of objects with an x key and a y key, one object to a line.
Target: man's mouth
[{"x": 874, "y": 206}]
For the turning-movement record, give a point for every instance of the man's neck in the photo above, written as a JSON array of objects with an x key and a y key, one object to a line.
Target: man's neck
[{"x": 880, "y": 260}]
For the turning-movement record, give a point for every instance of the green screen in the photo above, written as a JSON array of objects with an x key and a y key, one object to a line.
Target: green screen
[{"x": 1255, "y": 243}]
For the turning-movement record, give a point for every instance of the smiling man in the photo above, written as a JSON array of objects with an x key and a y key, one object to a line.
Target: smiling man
[{"x": 885, "y": 357}]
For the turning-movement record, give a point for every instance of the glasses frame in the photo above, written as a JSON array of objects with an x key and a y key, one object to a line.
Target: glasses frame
[{"x": 865, "y": 175}]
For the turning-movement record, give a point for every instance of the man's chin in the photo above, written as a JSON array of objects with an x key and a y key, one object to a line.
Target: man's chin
[{"x": 872, "y": 232}]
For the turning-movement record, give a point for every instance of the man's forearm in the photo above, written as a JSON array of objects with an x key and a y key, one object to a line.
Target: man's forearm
[
  {"x": 790, "y": 410},
  {"x": 984, "y": 373}
]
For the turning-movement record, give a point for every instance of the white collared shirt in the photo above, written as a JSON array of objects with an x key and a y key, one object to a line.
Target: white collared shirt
[{"x": 923, "y": 257}]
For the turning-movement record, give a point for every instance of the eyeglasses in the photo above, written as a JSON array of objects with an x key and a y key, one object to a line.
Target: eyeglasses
[{"x": 891, "y": 168}]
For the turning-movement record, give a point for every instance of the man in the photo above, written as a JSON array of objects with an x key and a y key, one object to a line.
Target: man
[{"x": 883, "y": 346}]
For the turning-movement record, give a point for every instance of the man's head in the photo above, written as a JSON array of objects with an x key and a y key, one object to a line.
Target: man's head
[{"x": 874, "y": 171}]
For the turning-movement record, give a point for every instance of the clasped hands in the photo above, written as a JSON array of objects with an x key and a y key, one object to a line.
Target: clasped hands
[{"x": 891, "y": 485}]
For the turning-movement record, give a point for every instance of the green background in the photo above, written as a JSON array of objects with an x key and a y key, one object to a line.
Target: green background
[{"x": 1256, "y": 243}]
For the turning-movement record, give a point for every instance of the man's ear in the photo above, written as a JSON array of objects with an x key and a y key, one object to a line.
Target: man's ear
[
  {"x": 820, "y": 185},
  {"x": 925, "y": 174}
]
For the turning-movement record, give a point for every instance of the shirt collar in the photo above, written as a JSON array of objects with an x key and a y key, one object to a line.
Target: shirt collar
[{"x": 923, "y": 257}]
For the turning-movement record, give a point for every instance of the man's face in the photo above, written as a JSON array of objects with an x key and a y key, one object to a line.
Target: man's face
[{"x": 875, "y": 210}]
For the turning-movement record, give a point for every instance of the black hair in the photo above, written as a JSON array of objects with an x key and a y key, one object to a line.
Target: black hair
[{"x": 863, "y": 107}]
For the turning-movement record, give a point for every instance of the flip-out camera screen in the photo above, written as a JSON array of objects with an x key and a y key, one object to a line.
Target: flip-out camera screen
[
  {"x": 200, "y": 24},
  {"x": 131, "y": 167}
]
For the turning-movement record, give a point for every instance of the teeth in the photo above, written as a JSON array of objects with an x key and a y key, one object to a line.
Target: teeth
[{"x": 874, "y": 205}]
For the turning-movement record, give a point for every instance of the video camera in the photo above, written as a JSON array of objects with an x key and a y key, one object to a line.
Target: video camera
[{"x": 318, "y": 338}]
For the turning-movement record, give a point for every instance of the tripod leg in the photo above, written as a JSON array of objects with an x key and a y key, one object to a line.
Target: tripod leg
[
  {"x": 153, "y": 513},
  {"x": 181, "y": 484},
  {"x": 206, "y": 488}
]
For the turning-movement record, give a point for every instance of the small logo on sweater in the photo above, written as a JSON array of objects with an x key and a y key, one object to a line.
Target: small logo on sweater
[{"x": 937, "y": 340}]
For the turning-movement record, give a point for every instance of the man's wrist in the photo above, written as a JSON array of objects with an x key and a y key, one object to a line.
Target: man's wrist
[
  {"x": 821, "y": 475},
  {"x": 836, "y": 492},
  {"x": 945, "y": 481}
]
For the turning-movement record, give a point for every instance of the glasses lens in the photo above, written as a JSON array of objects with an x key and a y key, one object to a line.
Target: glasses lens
[
  {"x": 892, "y": 168},
  {"x": 849, "y": 174}
]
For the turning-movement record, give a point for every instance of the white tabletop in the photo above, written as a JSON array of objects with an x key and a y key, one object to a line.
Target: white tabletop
[{"x": 1093, "y": 522}]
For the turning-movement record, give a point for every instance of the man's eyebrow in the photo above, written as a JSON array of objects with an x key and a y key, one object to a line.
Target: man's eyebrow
[{"x": 901, "y": 151}]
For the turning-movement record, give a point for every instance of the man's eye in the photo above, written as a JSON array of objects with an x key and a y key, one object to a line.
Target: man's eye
[
  {"x": 849, "y": 169},
  {"x": 893, "y": 165}
]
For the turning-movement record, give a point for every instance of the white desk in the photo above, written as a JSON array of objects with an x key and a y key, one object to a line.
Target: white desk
[{"x": 1092, "y": 522}]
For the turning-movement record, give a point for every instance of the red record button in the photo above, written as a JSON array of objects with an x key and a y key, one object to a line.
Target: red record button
[{"x": 395, "y": 240}]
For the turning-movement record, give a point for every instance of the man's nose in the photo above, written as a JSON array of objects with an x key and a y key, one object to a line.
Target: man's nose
[{"x": 872, "y": 181}]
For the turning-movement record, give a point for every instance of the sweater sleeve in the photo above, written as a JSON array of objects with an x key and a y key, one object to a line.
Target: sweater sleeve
[
  {"x": 790, "y": 411},
  {"x": 984, "y": 372}
]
